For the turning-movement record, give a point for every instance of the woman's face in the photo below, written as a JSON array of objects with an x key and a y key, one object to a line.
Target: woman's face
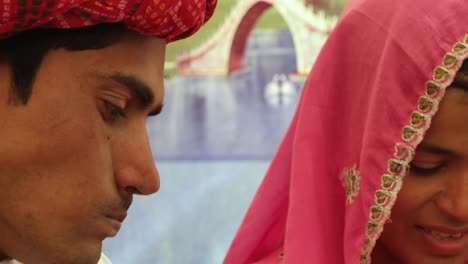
[{"x": 429, "y": 222}]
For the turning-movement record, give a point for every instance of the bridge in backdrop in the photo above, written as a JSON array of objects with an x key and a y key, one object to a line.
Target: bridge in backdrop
[{"x": 224, "y": 52}]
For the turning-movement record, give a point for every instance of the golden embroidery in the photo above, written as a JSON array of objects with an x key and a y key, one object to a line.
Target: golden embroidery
[
  {"x": 450, "y": 60},
  {"x": 350, "y": 179},
  {"x": 402, "y": 152},
  {"x": 388, "y": 182},
  {"x": 396, "y": 167},
  {"x": 412, "y": 135},
  {"x": 417, "y": 118},
  {"x": 371, "y": 229},
  {"x": 460, "y": 47},
  {"x": 440, "y": 73},
  {"x": 425, "y": 104},
  {"x": 432, "y": 88},
  {"x": 382, "y": 196},
  {"x": 409, "y": 133}
]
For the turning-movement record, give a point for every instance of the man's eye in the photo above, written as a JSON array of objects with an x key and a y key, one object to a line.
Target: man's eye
[
  {"x": 426, "y": 170},
  {"x": 113, "y": 112}
]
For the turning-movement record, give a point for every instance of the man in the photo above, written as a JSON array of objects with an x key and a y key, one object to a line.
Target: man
[{"x": 77, "y": 80}]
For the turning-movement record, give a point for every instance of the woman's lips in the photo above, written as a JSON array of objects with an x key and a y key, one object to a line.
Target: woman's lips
[{"x": 445, "y": 241}]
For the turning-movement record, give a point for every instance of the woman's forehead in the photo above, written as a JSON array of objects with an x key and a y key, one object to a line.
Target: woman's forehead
[{"x": 449, "y": 127}]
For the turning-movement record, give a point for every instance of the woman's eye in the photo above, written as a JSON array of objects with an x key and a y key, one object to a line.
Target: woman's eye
[
  {"x": 113, "y": 112},
  {"x": 426, "y": 170}
]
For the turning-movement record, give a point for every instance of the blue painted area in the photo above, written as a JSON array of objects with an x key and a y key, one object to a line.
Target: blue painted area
[
  {"x": 192, "y": 219},
  {"x": 212, "y": 146},
  {"x": 218, "y": 117}
]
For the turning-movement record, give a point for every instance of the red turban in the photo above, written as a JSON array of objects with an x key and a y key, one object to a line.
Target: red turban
[{"x": 167, "y": 19}]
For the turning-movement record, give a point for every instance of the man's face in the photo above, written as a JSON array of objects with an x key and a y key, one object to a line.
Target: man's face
[
  {"x": 430, "y": 218},
  {"x": 71, "y": 159}
]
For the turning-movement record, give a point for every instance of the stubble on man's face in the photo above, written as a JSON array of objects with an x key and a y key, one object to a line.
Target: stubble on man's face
[{"x": 69, "y": 167}]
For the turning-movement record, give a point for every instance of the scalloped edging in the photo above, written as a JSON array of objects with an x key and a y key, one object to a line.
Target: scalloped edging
[{"x": 412, "y": 135}]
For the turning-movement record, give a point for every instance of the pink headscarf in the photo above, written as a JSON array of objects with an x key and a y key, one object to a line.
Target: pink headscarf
[
  {"x": 168, "y": 19},
  {"x": 364, "y": 109}
]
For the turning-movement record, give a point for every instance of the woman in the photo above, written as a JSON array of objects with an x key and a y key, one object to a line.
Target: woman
[{"x": 360, "y": 139}]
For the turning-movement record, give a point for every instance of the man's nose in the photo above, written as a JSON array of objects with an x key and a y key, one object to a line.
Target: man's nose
[{"x": 136, "y": 171}]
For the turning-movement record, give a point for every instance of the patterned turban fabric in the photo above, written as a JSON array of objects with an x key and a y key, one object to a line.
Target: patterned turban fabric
[{"x": 167, "y": 19}]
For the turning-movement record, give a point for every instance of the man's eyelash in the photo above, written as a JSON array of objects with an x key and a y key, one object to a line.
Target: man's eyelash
[{"x": 114, "y": 112}]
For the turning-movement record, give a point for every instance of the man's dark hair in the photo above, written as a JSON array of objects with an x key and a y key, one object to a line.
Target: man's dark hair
[{"x": 25, "y": 51}]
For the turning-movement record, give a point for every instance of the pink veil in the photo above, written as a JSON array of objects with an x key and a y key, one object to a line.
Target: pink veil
[{"x": 364, "y": 109}]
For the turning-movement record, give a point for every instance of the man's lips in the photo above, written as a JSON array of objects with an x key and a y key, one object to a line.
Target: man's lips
[
  {"x": 115, "y": 221},
  {"x": 118, "y": 216}
]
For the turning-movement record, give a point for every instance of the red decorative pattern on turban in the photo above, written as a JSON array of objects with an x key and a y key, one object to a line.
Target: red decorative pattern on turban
[{"x": 168, "y": 19}]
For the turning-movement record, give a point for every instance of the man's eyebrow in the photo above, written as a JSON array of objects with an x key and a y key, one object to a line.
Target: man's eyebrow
[
  {"x": 427, "y": 147},
  {"x": 141, "y": 90}
]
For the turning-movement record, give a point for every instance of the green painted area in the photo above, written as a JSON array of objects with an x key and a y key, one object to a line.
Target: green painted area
[
  {"x": 334, "y": 6},
  {"x": 270, "y": 19},
  {"x": 223, "y": 10}
]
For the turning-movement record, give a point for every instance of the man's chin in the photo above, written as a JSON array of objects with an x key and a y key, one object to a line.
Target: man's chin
[
  {"x": 89, "y": 254},
  {"x": 83, "y": 259}
]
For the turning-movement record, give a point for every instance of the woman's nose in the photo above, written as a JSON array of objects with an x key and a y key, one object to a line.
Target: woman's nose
[{"x": 453, "y": 200}]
